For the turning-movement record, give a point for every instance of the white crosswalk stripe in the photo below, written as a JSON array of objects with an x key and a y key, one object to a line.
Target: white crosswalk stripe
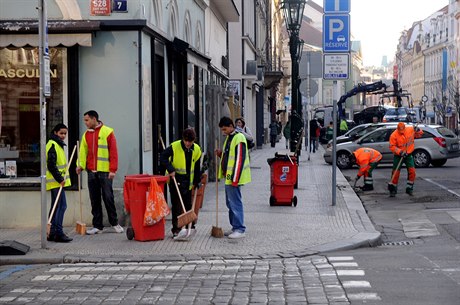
[{"x": 349, "y": 273}]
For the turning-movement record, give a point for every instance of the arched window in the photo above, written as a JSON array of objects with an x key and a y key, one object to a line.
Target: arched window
[
  {"x": 198, "y": 36},
  {"x": 173, "y": 19},
  {"x": 187, "y": 28}
]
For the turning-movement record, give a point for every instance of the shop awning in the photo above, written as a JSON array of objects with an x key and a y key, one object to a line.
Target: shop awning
[{"x": 54, "y": 40}]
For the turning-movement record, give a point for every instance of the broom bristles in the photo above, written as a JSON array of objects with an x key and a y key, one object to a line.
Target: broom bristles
[
  {"x": 186, "y": 218},
  {"x": 81, "y": 228},
  {"x": 217, "y": 232}
]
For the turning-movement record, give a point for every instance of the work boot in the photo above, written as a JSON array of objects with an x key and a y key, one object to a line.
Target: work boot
[
  {"x": 392, "y": 193},
  {"x": 409, "y": 192},
  {"x": 368, "y": 187}
]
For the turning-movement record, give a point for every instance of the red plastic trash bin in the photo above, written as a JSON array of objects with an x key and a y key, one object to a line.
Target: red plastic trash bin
[
  {"x": 283, "y": 178},
  {"x": 135, "y": 193}
]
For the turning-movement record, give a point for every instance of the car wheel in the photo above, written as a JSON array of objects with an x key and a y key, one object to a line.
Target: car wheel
[
  {"x": 438, "y": 163},
  {"x": 343, "y": 160},
  {"x": 421, "y": 158}
]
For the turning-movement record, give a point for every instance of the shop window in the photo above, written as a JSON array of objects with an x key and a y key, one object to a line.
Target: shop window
[{"x": 20, "y": 105}]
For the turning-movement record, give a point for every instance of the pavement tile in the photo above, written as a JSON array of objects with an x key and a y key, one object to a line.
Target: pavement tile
[{"x": 273, "y": 232}]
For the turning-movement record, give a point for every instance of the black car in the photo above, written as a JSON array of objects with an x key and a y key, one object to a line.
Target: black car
[{"x": 366, "y": 115}]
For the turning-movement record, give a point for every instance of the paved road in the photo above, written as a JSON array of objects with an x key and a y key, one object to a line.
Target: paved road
[{"x": 309, "y": 280}]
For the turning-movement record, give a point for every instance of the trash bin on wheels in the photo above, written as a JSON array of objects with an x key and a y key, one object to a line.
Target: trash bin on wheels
[
  {"x": 283, "y": 177},
  {"x": 135, "y": 196}
]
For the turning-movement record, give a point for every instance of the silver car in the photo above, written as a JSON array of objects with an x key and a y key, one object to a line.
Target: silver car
[{"x": 435, "y": 146}]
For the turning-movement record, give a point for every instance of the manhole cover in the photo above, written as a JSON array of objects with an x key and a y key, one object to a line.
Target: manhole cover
[{"x": 398, "y": 243}]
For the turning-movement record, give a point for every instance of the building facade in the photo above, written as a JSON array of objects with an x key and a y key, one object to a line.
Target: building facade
[{"x": 149, "y": 68}]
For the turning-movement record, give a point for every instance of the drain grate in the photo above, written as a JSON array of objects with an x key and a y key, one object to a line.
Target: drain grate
[{"x": 399, "y": 243}]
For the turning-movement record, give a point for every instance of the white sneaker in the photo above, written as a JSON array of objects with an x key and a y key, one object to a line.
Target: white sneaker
[
  {"x": 227, "y": 233},
  {"x": 118, "y": 229},
  {"x": 236, "y": 235},
  {"x": 93, "y": 231}
]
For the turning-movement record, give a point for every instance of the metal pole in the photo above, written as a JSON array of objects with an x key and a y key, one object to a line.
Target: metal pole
[
  {"x": 42, "y": 28},
  {"x": 294, "y": 90},
  {"x": 308, "y": 133},
  {"x": 334, "y": 143}
]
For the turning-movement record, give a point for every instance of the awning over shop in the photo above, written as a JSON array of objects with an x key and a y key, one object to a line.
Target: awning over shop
[{"x": 54, "y": 40}]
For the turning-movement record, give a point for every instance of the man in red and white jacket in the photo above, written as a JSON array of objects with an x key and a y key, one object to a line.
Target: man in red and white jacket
[{"x": 99, "y": 157}]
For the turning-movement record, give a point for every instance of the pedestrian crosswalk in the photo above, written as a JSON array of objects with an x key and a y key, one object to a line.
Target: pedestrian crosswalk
[
  {"x": 352, "y": 279},
  {"x": 307, "y": 280}
]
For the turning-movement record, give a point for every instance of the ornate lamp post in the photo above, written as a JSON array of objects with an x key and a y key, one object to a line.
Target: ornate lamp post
[{"x": 293, "y": 14}]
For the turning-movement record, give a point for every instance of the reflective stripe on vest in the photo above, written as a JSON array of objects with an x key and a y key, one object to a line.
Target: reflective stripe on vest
[
  {"x": 178, "y": 160},
  {"x": 61, "y": 164}
]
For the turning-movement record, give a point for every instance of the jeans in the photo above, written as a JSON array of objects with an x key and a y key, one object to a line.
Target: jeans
[
  {"x": 99, "y": 185},
  {"x": 235, "y": 207},
  {"x": 58, "y": 217},
  {"x": 313, "y": 144}
]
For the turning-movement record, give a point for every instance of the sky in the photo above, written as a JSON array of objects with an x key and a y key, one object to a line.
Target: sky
[{"x": 378, "y": 24}]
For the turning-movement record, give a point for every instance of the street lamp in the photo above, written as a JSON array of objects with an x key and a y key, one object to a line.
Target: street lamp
[{"x": 293, "y": 14}]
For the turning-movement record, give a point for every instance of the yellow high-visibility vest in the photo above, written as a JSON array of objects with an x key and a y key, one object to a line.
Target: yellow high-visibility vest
[
  {"x": 103, "y": 164},
  {"x": 178, "y": 160},
  {"x": 61, "y": 163},
  {"x": 246, "y": 173}
]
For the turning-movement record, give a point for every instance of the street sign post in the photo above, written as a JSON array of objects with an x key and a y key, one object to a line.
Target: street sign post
[
  {"x": 336, "y": 66},
  {"x": 336, "y": 34},
  {"x": 336, "y": 6}
]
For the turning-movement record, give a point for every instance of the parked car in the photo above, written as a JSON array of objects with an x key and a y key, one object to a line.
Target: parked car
[
  {"x": 360, "y": 131},
  {"x": 322, "y": 137},
  {"x": 396, "y": 114},
  {"x": 436, "y": 145},
  {"x": 366, "y": 115}
]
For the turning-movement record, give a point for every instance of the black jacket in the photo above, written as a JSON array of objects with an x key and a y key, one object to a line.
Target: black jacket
[{"x": 52, "y": 158}]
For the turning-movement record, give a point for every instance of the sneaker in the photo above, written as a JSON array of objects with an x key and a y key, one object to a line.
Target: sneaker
[
  {"x": 118, "y": 229},
  {"x": 236, "y": 235},
  {"x": 227, "y": 233},
  {"x": 93, "y": 231}
]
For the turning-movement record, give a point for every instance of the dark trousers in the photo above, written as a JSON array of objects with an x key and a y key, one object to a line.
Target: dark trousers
[
  {"x": 58, "y": 217},
  {"x": 273, "y": 140},
  {"x": 100, "y": 186},
  {"x": 177, "y": 206}
]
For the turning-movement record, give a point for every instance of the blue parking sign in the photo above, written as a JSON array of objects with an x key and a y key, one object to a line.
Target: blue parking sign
[
  {"x": 336, "y": 33},
  {"x": 336, "y": 6}
]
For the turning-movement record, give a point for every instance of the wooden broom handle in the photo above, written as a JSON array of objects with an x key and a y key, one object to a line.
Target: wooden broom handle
[
  {"x": 79, "y": 182},
  {"x": 61, "y": 187},
  {"x": 174, "y": 179},
  {"x": 217, "y": 186}
]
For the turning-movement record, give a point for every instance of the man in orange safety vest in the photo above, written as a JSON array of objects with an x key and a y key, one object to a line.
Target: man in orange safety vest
[{"x": 367, "y": 159}]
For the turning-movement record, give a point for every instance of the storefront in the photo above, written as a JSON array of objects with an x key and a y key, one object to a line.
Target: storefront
[{"x": 138, "y": 81}]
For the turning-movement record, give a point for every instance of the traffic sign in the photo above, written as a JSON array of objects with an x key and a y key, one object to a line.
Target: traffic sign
[
  {"x": 336, "y": 6},
  {"x": 336, "y": 66},
  {"x": 336, "y": 33}
]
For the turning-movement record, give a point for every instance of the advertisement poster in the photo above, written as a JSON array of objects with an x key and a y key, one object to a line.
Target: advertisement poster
[{"x": 100, "y": 7}]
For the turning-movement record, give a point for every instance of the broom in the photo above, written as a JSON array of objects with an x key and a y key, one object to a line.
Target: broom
[
  {"x": 216, "y": 231},
  {"x": 187, "y": 216},
  {"x": 48, "y": 226},
  {"x": 80, "y": 226},
  {"x": 184, "y": 234}
]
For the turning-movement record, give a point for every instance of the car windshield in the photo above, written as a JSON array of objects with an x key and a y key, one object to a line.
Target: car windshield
[
  {"x": 355, "y": 131},
  {"x": 396, "y": 111},
  {"x": 445, "y": 132}
]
